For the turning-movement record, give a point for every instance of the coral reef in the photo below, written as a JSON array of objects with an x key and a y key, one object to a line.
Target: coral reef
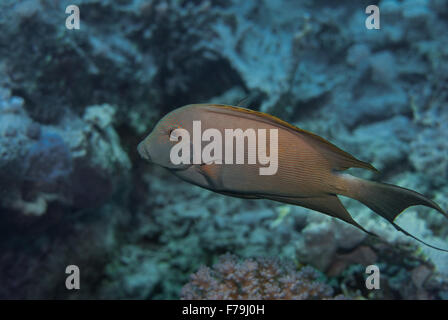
[
  {"x": 74, "y": 163},
  {"x": 255, "y": 279}
]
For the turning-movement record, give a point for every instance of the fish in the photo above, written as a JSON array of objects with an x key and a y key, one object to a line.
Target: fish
[{"x": 310, "y": 171}]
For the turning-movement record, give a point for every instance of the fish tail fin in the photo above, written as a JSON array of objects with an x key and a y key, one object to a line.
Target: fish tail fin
[{"x": 387, "y": 200}]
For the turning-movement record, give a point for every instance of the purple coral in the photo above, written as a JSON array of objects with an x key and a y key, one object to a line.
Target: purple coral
[{"x": 260, "y": 278}]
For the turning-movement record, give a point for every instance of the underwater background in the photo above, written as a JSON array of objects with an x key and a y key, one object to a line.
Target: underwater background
[{"x": 74, "y": 104}]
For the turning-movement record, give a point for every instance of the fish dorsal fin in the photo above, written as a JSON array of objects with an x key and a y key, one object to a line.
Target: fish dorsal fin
[{"x": 338, "y": 158}]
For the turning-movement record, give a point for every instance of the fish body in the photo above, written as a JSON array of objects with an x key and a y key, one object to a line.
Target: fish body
[
  {"x": 294, "y": 178},
  {"x": 308, "y": 170}
]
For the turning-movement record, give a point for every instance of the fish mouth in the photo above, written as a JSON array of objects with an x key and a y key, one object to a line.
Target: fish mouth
[{"x": 143, "y": 152}]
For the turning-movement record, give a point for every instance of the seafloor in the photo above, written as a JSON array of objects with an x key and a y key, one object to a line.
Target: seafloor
[{"x": 75, "y": 103}]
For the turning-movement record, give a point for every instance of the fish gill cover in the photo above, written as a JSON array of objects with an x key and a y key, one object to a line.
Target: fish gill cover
[{"x": 74, "y": 104}]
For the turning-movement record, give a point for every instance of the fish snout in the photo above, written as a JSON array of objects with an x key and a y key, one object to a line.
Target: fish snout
[{"x": 143, "y": 152}]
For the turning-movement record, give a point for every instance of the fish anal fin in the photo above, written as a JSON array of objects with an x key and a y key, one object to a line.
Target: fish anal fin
[{"x": 328, "y": 204}]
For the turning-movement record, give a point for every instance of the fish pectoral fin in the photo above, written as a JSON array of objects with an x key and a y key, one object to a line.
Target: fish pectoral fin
[
  {"x": 328, "y": 204},
  {"x": 211, "y": 174}
]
